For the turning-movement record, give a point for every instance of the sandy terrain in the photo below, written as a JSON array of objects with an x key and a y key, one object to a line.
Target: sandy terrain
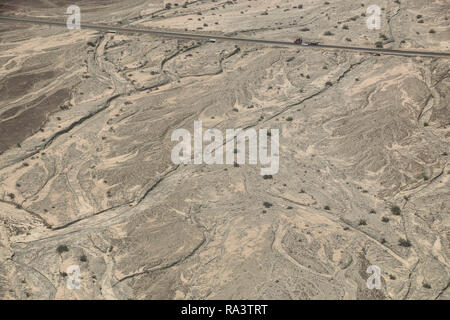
[{"x": 86, "y": 176}]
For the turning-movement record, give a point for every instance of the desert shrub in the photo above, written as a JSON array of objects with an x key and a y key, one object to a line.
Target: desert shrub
[
  {"x": 267, "y": 204},
  {"x": 404, "y": 243},
  {"x": 395, "y": 210},
  {"x": 62, "y": 248}
]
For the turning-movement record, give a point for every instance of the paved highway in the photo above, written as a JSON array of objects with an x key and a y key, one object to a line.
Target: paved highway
[{"x": 197, "y": 36}]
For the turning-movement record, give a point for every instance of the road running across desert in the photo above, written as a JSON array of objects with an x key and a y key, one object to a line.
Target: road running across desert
[{"x": 96, "y": 203}]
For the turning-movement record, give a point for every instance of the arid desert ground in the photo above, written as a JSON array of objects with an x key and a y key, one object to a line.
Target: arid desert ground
[{"x": 87, "y": 179}]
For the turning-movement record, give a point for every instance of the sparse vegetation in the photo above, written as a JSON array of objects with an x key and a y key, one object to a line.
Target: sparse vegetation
[
  {"x": 267, "y": 204},
  {"x": 62, "y": 248},
  {"x": 350, "y": 123},
  {"x": 395, "y": 210},
  {"x": 404, "y": 242}
]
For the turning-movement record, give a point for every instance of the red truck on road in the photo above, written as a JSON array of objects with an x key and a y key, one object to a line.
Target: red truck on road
[{"x": 305, "y": 43}]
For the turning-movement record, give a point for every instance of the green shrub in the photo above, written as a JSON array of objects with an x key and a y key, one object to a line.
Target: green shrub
[
  {"x": 62, "y": 248},
  {"x": 267, "y": 204},
  {"x": 404, "y": 242},
  {"x": 395, "y": 210}
]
